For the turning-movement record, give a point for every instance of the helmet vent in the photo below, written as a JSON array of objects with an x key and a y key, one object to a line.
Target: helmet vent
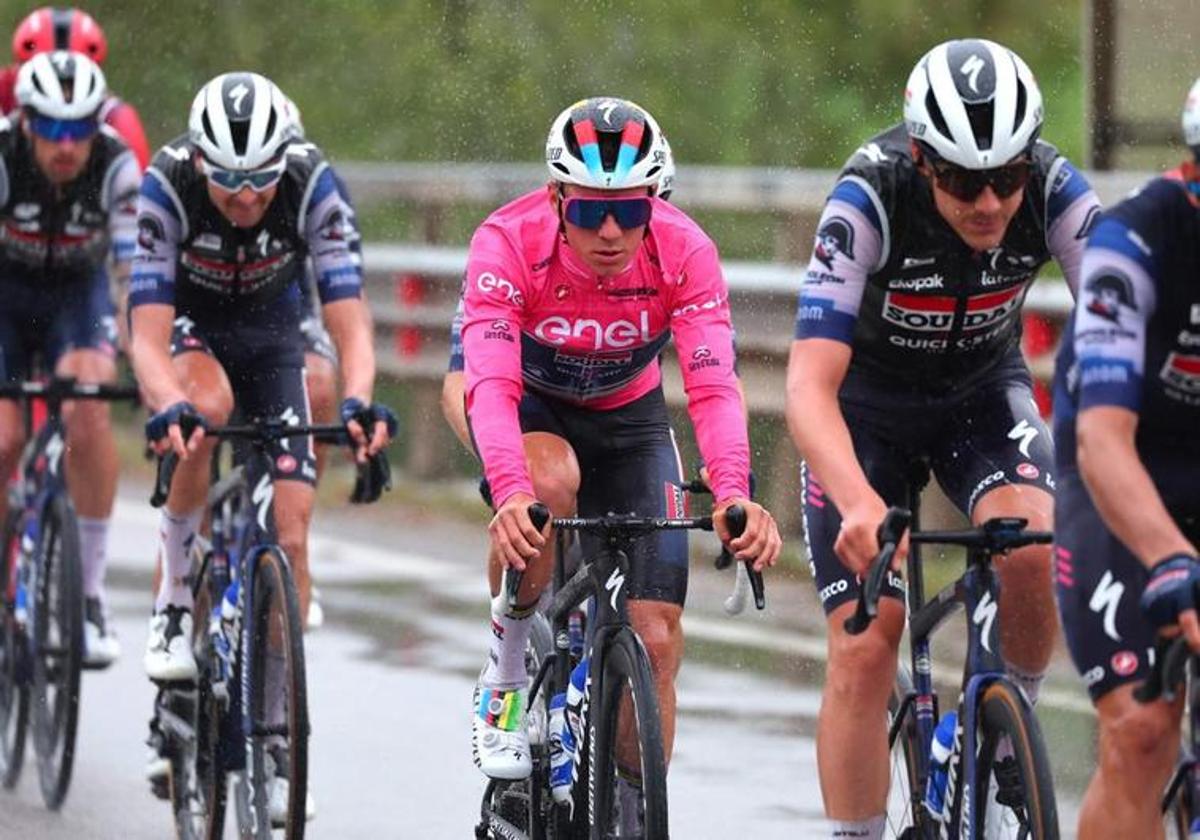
[
  {"x": 935, "y": 114},
  {"x": 239, "y": 130},
  {"x": 270, "y": 124},
  {"x": 981, "y": 117},
  {"x": 208, "y": 129}
]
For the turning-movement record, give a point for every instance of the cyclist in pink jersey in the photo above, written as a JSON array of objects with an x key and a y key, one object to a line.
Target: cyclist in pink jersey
[{"x": 571, "y": 293}]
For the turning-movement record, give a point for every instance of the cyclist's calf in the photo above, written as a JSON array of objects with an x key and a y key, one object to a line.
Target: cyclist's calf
[{"x": 659, "y": 625}]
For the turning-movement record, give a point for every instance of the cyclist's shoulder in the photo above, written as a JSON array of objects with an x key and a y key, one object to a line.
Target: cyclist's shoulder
[
  {"x": 305, "y": 160},
  {"x": 880, "y": 172},
  {"x": 1146, "y": 222},
  {"x": 524, "y": 227},
  {"x": 175, "y": 161}
]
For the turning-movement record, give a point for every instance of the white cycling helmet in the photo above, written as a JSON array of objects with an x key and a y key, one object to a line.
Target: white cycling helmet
[
  {"x": 973, "y": 103},
  {"x": 1191, "y": 119},
  {"x": 241, "y": 121},
  {"x": 666, "y": 178},
  {"x": 607, "y": 144},
  {"x": 61, "y": 85},
  {"x": 293, "y": 113}
]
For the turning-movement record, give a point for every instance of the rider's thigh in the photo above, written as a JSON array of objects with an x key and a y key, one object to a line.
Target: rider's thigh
[
  {"x": 206, "y": 385},
  {"x": 293, "y": 506},
  {"x": 1139, "y": 742},
  {"x": 554, "y": 470},
  {"x": 88, "y": 365},
  {"x": 12, "y": 435},
  {"x": 321, "y": 378},
  {"x": 1023, "y": 500}
]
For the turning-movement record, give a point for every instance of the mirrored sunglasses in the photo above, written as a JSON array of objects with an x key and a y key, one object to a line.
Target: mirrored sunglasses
[
  {"x": 590, "y": 213},
  {"x": 259, "y": 180},
  {"x": 56, "y": 131},
  {"x": 967, "y": 184}
]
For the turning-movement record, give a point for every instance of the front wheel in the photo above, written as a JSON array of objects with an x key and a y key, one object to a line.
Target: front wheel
[
  {"x": 272, "y": 792},
  {"x": 14, "y": 683},
  {"x": 906, "y": 817},
  {"x": 57, "y": 648},
  {"x": 1013, "y": 790},
  {"x": 625, "y": 749}
]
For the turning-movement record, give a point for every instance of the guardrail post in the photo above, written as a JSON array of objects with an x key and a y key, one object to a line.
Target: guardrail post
[
  {"x": 1039, "y": 341},
  {"x": 410, "y": 293}
]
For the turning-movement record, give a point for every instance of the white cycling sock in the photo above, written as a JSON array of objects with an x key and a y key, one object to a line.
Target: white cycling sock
[
  {"x": 1032, "y": 683},
  {"x": 871, "y": 829},
  {"x": 175, "y": 535},
  {"x": 93, "y": 551},
  {"x": 506, "y": 652}
]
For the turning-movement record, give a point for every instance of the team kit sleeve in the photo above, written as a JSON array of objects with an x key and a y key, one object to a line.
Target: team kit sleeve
[
  {"x": 1072, "y": 208},
  {"x": 850, "y": 243},
  {"x": 493, "y": 309},
  {"x": 456, "y": 342},
  {"x": 161, "y": 226},
  {"x": 1114, "y": 306},
  {"x": 327, "y": 224},
  {"x": 119, "y": 198},
  {"x": 703, "y": 334}
]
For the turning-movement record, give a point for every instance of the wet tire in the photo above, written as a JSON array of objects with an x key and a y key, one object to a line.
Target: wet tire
[
  {"x": 905, "y": 815},
  {"x": 58, "y": 649},
  {"x": 627, "y": 681},
  {"x": 1003, "y": 713},
  {"x": 14, "y": 685}
]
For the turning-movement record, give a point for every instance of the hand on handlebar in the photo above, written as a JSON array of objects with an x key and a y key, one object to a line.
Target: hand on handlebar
[
  {"x": 857, "y": 542},
  {"x": 759, "y": 543},
  {"x": 359, "y": 417},
  {"x": 513, "y": 534},
  {"x": 178, "y": 428},
  {"x": 1169, "y": 599}
]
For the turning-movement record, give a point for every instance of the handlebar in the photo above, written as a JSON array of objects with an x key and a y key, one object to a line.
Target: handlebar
[
  {"x": 1171, "y": 657},
  {"x": 890, "y": 532},
  {"x": 375, "y": 471},
  {"x": 67, "y": 388}
]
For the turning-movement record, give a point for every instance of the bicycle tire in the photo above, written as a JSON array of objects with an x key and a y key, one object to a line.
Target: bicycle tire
[
  {"x": 57, "y": 648},
  {"x": 272, "y": 621},
  {"x": 1003, "y": 712},
  {"x": 905, "y": 813},
  {"x": 198, "y": 779},
  {"x": 14, "y": 684},
  {"x": 626, "y": 673}
]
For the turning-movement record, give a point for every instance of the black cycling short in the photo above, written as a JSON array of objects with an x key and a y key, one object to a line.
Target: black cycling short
[
  {"x": 49, "y": 322},
  {"x": 1099, "y": 581},
  {"x": 628, "y": 464},
  {"x": 989, "y": 436},
  {"x": 266, "y": 371}
]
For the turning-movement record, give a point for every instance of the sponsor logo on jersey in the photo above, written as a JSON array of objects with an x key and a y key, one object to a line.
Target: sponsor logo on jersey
[
  {"x": 935, "y": 313},
  {"x": 500, "y": 330},
  {"x": 614, "y": 335},
  {"x": 1194, "y": 315},
  {"x": 918, "y": 284},
  {"x": 1107, "y": 293},
  {"x": 984, "y": 484},
  {"x": 150, "y": 232},
  {"x": 1124, "y": 663},
  {"x": 835, "y": 236},
  {"x": 1028, "y": 470},
  {"x": 562, "y": 291},
  {"x": 1182, "y": 371},
  {"x": 915, "y": 262},
  {"x": 285, "y": 463},
  {"x": 702, "y": 358},
  {"x": 1093, "y": 676},
  {"x": 25, "y": 211},
  {"x": 490, "y": 284},
  {"x": 207, "y": 242},
  {"x": 636, "y": 292},
  {"x": 835, "y": 588}
]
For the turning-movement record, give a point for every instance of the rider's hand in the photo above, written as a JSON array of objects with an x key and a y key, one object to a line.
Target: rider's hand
[
  {"x": 1169, "y": 598},
  {"x": 164, "y": 432},
  {"x": 760, "y": 542},
  {"x": 358, "y": 418},
  {"x": 512, "y": 532},
  {"x": 857, "y": 542}
]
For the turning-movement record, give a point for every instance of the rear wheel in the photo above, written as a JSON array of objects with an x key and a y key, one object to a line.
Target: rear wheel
[
  {"x": 1013, "y": 792},
  {"x": 14, "y": 665},
  {"x": 274, "y": 787},
  {"x": 57, "y": 648},
  {"x": 630, "y": 789}
]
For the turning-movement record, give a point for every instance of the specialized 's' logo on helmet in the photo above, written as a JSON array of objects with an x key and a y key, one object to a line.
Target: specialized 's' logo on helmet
[
  {"x": 973, "y": 69},
  {"x": 835, "y": 237},
  {"x": 1108, "y": 293}
]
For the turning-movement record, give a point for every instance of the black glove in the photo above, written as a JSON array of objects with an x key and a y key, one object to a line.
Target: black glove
[
  {"x": 182, "y": 413},
  {"x": 368, "y": 415},
  {"x": 1171, "y": 589}
]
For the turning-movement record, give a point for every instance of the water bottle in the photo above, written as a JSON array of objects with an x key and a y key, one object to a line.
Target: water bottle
[
  {"x": 561, "y": 761},
  {"x": 575, "y": 691},
  {"x": 939, "y": 753},
  {"x": 575, "y": 633}
]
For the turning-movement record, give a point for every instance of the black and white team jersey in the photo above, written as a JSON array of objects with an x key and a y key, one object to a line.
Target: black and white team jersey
[
  {"x": 54, "y": 235},
  {"x": 190, "y": 256},
  {"x": 921, "y": 309},
  {"x": 1134, "y": 338}
]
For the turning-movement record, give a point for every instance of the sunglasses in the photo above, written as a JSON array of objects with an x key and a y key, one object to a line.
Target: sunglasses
[
  {"x": 259, "y": 180},
  {"x": 967, "y": 184},
  {"x": 590, "y": 213},
  {"x": 56, "y": 131}
]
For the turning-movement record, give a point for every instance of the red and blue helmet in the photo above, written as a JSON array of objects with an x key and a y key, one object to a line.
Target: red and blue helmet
[{"x": 607, "y": 144}]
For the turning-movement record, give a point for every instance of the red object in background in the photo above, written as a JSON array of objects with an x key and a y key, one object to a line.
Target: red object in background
[
  {"x": 1039, "y": 340},
  {"x": 410, "y": 293}
]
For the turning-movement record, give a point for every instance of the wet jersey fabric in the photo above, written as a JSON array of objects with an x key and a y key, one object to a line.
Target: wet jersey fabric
[
  {"x": 62, "y": 235},
  {"x": 891, "y": 278},
  {"x": 191, "y": 257},
  {"x": 1134, "y": 338},
  {"x": 535, "y": 317}
]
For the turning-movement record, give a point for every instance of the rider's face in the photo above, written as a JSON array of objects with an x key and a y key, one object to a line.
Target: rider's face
[
  {"x": 980, "y": 222},
  {"x": 243, "y": 208},
  {"x": 61, "y": 161},
  {"x": 608, "y": 249}
]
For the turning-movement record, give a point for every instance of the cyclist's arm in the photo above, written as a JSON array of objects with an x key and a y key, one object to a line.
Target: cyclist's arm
[
  {"x": 119, "y": 200},
  {"x": 454, "y": 383},
  {"x": 152, "y": 291},
  {"x": 1110, "y": 344},
  {"x": 1122, "y": 490},
  {"x": 1071, "y": 209},
  {"x": 349, "y": 323}
]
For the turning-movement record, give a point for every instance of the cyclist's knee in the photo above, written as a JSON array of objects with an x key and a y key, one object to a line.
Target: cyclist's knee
[
  {"x": 660, "y": 628},
  {"x": 554, "y": 469},
  {"x": 12, "y": 435},
  {"x": 1138, "y": 741},
  {"x": 214, "y": 406},
  {"x": 856, "y": 662},
  {"x": 321, "y": 382},
  {"x": 85, "y": 419}
]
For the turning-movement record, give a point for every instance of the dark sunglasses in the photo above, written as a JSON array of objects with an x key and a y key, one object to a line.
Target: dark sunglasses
[
  {"x": 590, "y": 213},
  {"x": 259, "y": 180},
  {"x": 967, "y": 184},
  {"x": 56, "y": 131}
]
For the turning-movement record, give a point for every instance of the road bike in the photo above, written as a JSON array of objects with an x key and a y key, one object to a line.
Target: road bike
[{"x": 41, "y": 581}]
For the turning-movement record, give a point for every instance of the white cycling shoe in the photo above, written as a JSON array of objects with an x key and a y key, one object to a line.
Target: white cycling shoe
[
  {"x": 169, "y": 655},
  {"x": 278, "y": 789},
  {"x": 100, "y": 645},
  {"x": 499, "y": 737}
]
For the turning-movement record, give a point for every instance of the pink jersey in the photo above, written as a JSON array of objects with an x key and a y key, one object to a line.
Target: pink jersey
[{"x": 537, "y": 317}]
